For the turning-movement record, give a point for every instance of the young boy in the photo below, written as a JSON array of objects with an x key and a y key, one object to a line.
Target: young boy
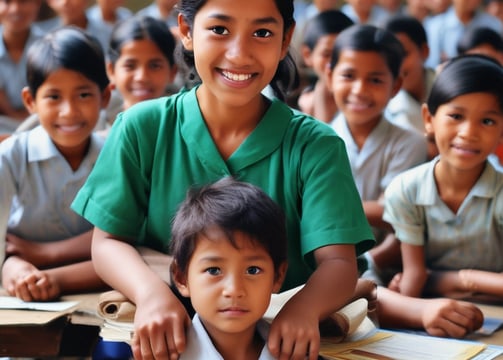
[
  {"x": 17, "y": 34},
  {"x": 365, "y": 75},
  {"x": 48, "y": 246},
  {"x": 229, "y": 251}
]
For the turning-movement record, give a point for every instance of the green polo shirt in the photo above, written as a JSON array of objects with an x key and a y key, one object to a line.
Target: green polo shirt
[{"x": 158, "y": 149}]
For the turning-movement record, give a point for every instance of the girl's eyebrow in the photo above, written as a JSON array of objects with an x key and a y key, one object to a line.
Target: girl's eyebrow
[{"x": 259, "y": 21}]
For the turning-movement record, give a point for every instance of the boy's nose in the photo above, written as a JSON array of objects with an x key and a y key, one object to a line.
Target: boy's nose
[{"x": 233, "y": 287}]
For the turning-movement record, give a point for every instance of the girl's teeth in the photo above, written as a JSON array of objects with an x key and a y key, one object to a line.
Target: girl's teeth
[{"x": 236, "y": 77}]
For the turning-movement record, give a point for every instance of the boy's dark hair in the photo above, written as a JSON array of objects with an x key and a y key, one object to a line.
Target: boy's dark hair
[
  {"x": 466, "y": 74},
  {"x": 409, "y": 26},
  {"x": 479, "y": 36},
  {"x": 370, "y": 38},
  {"x": 230, "y": 206},
  {"x": 70, "y": 48},
  {"x": 142, "y": 28},
  {"x": 325, "y": 23},
  {"x": 286, "y": 77}
]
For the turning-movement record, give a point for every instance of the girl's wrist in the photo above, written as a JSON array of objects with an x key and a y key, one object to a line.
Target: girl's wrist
[{"x": 466, "y": 280}]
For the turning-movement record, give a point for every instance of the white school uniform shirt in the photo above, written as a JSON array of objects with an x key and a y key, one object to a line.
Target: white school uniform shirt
[
  {"x": 200, "y": 346},
  {"x": 472, "y": 238},
  {"x": 95, "y": 16},
  {"x": 378, "y": 15},
  {"x": 37, "y": 186},
  {"x": 387, "y": 151},
  {"x": 153, "y": 11}
]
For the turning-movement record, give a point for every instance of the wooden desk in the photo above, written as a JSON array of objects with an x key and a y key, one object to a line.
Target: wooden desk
[
  {"x": 51, "y": 334},
  {"x": 496, "y": 338}
]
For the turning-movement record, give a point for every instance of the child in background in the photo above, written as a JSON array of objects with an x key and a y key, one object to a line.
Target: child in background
[
  {"x": 417, "y": 9},
  {"x": 225, "y": 126},
  {"x": 73, "y": 12},
  {"x": 48, "y": 246},
  {"x": 365, "y": 12},
  {"x": 494, "y": 8},
  {"x": 483, "y": 41},
  {"x": 107, "y": 13},
  {"x": 445, "y": 30},
  {"x": 404, "y": 109},
  {"x": 18, "y": 33},
  {"x": 229, "y": 249},
  {"x": 364, "y": 75},
  {"x": 448, "y": 213},
  {"x": 319, "y": 37},
  {"x": 141, "y": 63},
  {"x": 164, "y": 10}
]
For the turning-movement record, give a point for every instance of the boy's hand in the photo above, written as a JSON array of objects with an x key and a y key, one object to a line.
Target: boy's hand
[
  {"x": 160, "y": 326},
  {"x": 294, "y": 332},
  {"x": 451, "y": 318},
  {"x": 30, "y": 251}
]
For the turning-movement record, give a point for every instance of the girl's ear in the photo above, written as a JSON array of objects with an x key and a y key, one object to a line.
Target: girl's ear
[
  {"x": 280, "y": 277},
  {"x": 185, "y": 33},
  {"x": 111, "y": 74},
  {"x": 28, "y": 100},
  {"x": 287, "y": 39},
  {"x": 179, "y": 279},
  {"x": 427, "y": 119},
  {"x": 306, "y": 55},
  {"x": 106, "y": 94}
]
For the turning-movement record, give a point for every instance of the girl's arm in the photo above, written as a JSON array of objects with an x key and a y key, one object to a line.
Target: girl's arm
[
  {"x": 465, "y": 282},
  {"x": 374, "y": 210},
  {"x": 295, "y": 330},
  {"x": 160, "y": 320},
  {"x": 414, "y": 275},
  {"x": 55, "y": 253}
]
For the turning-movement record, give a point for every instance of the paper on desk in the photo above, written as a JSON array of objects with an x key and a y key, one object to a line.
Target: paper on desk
[{"x": 13, "y": 303}]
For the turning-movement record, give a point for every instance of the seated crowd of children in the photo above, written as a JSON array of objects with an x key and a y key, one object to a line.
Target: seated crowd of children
[{"x": 356, "y": 141}]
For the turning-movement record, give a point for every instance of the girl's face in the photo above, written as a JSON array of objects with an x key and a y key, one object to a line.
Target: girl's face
[
  {"x": 319, "y": 57},
  {"x": 466, "y": 129},
  {"x": 413, "y": 64},
  {"x": 362, "y": 85},
  {"x": 141, "y": 72},
  {"x": 237, "y": 46},
  {"x": 68, "y": 105},
  {"x": 16, "y": 16}
]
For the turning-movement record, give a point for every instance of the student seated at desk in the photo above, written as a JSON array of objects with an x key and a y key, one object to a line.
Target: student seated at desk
[
  {"x": 448, "y": 213},
  {"x": 229, "y": 250},
  {"x": 48, "y": 246}
]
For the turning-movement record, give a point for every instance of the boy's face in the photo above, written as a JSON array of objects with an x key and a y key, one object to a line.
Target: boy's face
[
  {"x": 230, "y": 288},
  {"x": 487, "y": 50},
  {"x": 466, "y": 6},
  {"x": 467, "y": 130},
  {"x": 68, "y": 105},
  {"x": 495, "y": 8},
  {"x": 141, "y": 72},
  {"x": 362, "y": 85},
  {"x": 18, "y": 15},
  {"x": 69, "y": 10},
  {"x": 110, "y": 5},
  {"x": 413, "y": 63},
  {"x": 319, "y": 57}
]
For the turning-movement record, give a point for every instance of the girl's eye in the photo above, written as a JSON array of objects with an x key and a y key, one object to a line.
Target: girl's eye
[
  {"x": 52, "y": 96},
  {"x": 220, "y": 30},
  {"x": 346, "y": 75},
  {"x": 263, "y": 33},
  {"x": 253, "y": 270},
  {"x": 376, "y": 81},
  {"x": 155, "y": 66},
  {"x": 455, "y": 116},
  {"x": 213, "y": 271},
  {"x": 488, "y": 121},
  {"x": 85, "y": 95}
]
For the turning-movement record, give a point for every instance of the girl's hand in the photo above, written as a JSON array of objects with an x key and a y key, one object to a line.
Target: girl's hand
[
  {"x": 160, "y": 326},
  {"x": 294, "y": 332}
]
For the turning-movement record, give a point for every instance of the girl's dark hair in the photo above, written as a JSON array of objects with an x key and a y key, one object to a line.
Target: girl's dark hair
[
  {"x": 142, "y": 28},
  {"x": 325, "y": 23},
  {"x": 286, "y": 77},
  {"x": 409, "y": 26},
  {"x": 466, "y": 74},
  {"x": 69, "y": 48},
  {"x": 229, "y": 206},
  {"x": 370, "y": 38},
  {"x": 479, "y": 36}
]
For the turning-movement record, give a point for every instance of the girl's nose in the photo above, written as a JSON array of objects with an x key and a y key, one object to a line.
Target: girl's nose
[
  {"x": 239, "y": 51},
  {"x": 468, "y": 129}
]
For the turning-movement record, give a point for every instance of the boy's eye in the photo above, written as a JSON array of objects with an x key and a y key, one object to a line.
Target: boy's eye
[
  {"x": 488, "y": 121},
  {"x": 376, "y": 80},
  {"x": 155, "y": 65},
  {"x": 52, "y": 96},
  {"x": 213, "y": 271},
  {"x": 220, "y": 30},
  {"x": 85, "y": 94},
  {"x": 263, "y": 33},
  {"x": 253, "y": 270},
  {"x": 455, "y": 116}
]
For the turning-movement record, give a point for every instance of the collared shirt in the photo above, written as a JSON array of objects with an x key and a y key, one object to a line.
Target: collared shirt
[
  {"x": 445, "y": 30},
  {"x": 388, "y": 150},
  {"x": 13, "y": 74},
  {"x": 297, "y": 160},
  {"x": 200, "y": 346},
  {"x": 37, "y": 186},
  {"x": 470, "y": 238},
  {"x": 95, "y": 17},
  {"x": 153, "y": 11}
]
